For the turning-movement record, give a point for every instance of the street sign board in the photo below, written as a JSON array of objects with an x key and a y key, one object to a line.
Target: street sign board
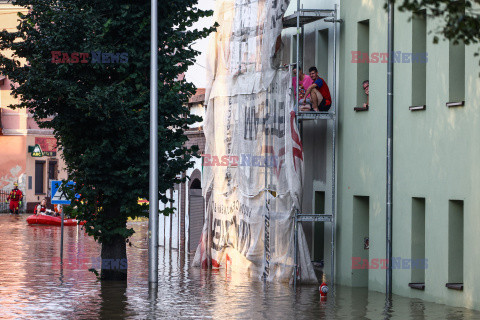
[{"x": 58, "y": 195}]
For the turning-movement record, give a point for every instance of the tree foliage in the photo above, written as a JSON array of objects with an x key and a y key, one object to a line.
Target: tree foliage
[
  {"x": 100, "y": 111},
  {"x": 462, "y": 17}
]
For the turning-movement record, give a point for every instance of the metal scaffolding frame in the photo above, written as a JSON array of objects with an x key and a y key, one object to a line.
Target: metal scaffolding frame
[{"x": 298, "y": 19}]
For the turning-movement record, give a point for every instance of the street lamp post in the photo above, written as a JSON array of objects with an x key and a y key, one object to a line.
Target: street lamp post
[{"x": 153, "y": 178}]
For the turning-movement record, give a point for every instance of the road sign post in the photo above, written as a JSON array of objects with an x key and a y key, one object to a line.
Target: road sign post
[{"x": 60, "y": 197}]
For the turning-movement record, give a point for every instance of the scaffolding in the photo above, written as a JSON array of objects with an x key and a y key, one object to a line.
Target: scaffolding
[
  {"x": 298, "y": 19},
  {"x": 279, "y": 201}
]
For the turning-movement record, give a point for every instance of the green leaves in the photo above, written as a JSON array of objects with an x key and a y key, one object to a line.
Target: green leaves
[
  {"x": 462, "y": 20},
  {"x": 102, "y": 109}
]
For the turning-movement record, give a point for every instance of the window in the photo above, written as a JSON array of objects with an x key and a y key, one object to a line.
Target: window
[
  {"x": 455, "y": 242},
  {"x": 418, "y": 263},
  {"x": 361, "y": 241},
  {"x": 52, "y": 170},
  {"x": 39, "y": 177},
  {"x": 363, "y": 65},
  {"x": 294, "y": 50},
  {"x": 321, "y": 58},
  {"x": 419, "y": 60},
  {"x": 456, "y": 72},
  {"x": 318, "y": 228}
]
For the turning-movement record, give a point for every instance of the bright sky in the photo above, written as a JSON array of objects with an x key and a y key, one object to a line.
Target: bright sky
[{"x": 196, "y": 73}]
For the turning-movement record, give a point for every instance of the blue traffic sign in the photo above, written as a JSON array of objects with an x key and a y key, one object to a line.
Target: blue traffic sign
[{"x": 58, "y": 194}]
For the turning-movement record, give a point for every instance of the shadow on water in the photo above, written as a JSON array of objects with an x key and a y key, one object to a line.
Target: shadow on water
[{"x": 34, "y": 286}]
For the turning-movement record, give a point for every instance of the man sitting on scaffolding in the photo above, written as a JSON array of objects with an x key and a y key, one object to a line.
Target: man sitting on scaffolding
[{"x": 320, "y": 94}]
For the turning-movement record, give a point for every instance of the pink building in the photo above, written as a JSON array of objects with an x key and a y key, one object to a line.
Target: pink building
[{"x": 19, "y": 135}]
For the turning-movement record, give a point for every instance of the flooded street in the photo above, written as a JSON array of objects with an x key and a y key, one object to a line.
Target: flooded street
[{"x": 33, "y": 286}]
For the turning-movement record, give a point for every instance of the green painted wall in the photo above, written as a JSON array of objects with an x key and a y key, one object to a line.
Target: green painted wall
[{"x": 436, "y": 155}]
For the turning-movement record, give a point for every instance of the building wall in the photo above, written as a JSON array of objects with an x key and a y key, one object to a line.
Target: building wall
[
  {"x": 195, "y": 137},
  {"x": 12, "y": 162},
  {"x": 18, "y": 131},
  {"x": 362, "y": 145},
  {"x": 32, "y": 197},
  {"x": 434, "y": 159}
]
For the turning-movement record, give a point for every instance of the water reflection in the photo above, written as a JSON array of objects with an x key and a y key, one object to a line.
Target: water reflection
[
  {"x": 114, "y": 301},
  {"x": 34, "y": 284}
]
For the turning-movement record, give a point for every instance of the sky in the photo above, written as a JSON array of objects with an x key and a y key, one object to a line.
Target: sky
[{"x": 196, "y": 73}]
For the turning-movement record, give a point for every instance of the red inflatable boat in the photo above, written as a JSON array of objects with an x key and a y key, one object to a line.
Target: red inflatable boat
[{"x": 52, "y": 221}]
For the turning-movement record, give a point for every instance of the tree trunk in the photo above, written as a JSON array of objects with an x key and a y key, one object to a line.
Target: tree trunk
[
  {"x": 114, "y": 252},
  {"x": 113, "y": 300}
]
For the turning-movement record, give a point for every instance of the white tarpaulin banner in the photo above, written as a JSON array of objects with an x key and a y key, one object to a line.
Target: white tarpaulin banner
[{"x": 253, "y": 162}]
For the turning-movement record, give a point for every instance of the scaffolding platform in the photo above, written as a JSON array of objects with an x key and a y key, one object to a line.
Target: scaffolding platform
[
  {"x": 315, "y": 217},
  {"x": 306, "y": 16},
  {"x": 315, "y": 115}
]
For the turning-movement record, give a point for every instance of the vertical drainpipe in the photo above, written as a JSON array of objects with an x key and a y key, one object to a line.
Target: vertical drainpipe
[
  {"x": 334, "y": 128},
  {"x": 388, "y": 289}
]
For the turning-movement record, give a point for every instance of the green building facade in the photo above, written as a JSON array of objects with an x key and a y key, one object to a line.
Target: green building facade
[{"x": 436, "y": 175}]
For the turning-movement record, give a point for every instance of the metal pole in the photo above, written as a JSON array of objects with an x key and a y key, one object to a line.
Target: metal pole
[
  {"x": 296, "y": 112},
  {"x": 302, "y": 50},
  {"x": 295, "y": 240},
  {"x": 265, "y": 194},
  {"x": 298, "y": 58},
  {"x": 334, "y": 124},
  {"x": 389, "y": 149},
  {"x": 153, "y": 178},
  {"x": 61, "y": 241}
]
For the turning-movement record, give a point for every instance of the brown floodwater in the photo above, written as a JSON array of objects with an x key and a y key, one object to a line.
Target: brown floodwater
[{"x": 34, "y": 286}]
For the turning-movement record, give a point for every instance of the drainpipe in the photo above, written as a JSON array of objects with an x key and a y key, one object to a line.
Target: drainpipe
[{"x": 388, "y": 282}]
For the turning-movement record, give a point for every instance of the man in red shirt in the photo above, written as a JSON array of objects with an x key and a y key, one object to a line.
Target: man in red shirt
[
  {"x": 321, "y": 99},
  {"x": 15, "y": 198}
]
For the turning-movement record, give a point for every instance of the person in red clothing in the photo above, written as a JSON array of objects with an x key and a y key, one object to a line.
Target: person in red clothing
[
  {"x": 57, "y": 209},
  {"x": 321, "y": 99},
  {"x": 15, "y": 198}
]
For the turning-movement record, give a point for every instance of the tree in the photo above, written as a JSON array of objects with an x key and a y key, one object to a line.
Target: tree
[
  {"x": 462, "y": 17},
  {"x": 98, "y": 105}
]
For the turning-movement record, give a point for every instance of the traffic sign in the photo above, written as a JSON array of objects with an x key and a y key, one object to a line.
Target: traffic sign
[{"x": 58, "y": 194}]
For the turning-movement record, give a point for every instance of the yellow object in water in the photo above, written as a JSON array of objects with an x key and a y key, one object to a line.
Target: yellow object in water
[{"x": 142, "y": 202}]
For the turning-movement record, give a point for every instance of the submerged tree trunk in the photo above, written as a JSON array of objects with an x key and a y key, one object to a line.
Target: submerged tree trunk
[{"x": 114, "y": 252}]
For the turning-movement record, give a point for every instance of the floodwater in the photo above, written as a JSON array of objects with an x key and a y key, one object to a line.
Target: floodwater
[{"x": 33, "y": 286}]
